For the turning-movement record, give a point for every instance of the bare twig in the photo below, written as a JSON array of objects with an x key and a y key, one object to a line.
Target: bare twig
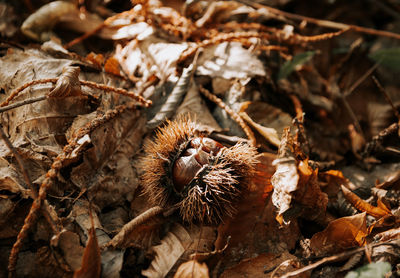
[
  {"x": 323, "y": 23},
  {"x": 235, "y": 116},
  {"x": 383, "y": 91},
  {"x": 21, "y": 103}
]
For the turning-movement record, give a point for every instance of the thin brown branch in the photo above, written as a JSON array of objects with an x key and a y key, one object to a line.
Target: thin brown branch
[
  {"x": 235, "y": 116},
  {"x": 16, "y": 92},
  {"x": 140, "y": 99},
  {"x": 388, "y": 99},
  {"x": 21, "y": 103},
  {"x": 323, "y": 23}
]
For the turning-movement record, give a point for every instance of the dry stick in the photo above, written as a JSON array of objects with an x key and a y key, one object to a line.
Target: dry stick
[
  {"x": 323, "y": 23},
  {"x": 130, "y": 226},
  {"x": 142, "y": 100},
  {"x": 383, "y": 91},
  {"x": 30, "y": 219},
  {"x": 84, "y": 36},
  {"x": 21, "y": 103},
  {"x": 235, "y": 116},
  {"x": 14, "y": 94}
]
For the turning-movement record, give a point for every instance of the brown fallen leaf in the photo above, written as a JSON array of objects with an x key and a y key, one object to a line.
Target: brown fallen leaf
[
  {"x": 91, "y": 260},
  {"x": 340, "y": 234},
  {"x": 362, "y": 205},
  {"x": 192, "y": 269}
]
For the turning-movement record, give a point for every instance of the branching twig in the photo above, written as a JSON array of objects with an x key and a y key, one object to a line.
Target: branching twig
[
  {"x": 235, "y": 116},
  {"x": 14, "y": 94},
  {"x": 323, "y": 23}
]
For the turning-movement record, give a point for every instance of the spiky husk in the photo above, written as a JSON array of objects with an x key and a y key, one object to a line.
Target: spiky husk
[
  {"x": 212, "y": 194},
  {"x": 160, "y": 156}
]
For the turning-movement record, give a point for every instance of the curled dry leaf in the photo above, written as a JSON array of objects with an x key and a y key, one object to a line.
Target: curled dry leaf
[
  {"x": 91, "y": 260},
  {"x": 68, "y": 83},
  {"x": 364, "y": 206},
  {"x": 192, "y": 269},
  {"x": 38, "y": 24},
  {"x": 340, "y": 234}
]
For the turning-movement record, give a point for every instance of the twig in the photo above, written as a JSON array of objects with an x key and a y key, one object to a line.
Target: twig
[
  {"x": 140, "y": 99},
  {"x": 383, "y": 91},
  {"x": 16, "y": 92},
  {"x": 130, "y": 226},
  {"x": 323, "y": 23},
  {"x": 360, "y": 80},
  {"x": 235, "y": 116},
  {"x": 21, "y": 103},
  {"x": 378, "y": 139}
]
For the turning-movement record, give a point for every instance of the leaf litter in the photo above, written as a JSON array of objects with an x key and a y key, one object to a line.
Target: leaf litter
[{"x": 84, "y": 86}]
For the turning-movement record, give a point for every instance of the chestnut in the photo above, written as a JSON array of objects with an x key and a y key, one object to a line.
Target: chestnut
[
  {"x": 192, "y": 160},
  {"x": 184, "y": 168}
]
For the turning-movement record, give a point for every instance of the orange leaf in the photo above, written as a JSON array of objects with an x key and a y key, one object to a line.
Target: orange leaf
[
  {"x": 91, "y": 260},
  {"x": 340, "y": 234},
  {"x": 112, "y": 66},
  {"x": 362, "y": 205}
]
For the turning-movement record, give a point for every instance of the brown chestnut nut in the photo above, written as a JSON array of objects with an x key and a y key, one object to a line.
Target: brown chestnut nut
[
  {"x": 192, "y": 160},
  {"x": 183, "y": 168}
]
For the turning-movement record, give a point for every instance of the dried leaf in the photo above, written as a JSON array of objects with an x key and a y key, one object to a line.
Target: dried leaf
[
  {"x": 174, "y": 99},
  {"x": 178, "y": 244},
  {"x": 362, "y": 205},
  {"x": 112, "y": 66},
  {"x": 194, "y": 106},
  {"x": 91, "y": 260},
  {"x": 270, "y": 134},
  {"x": 340, "y": 234},
  {"x": 192, "y": 269},
  {"x": 172, "y": 246},
  {"x": 229, "y": 60},
  {"x": 297, "y": 61},
  {"x": 38, "y": 24}
]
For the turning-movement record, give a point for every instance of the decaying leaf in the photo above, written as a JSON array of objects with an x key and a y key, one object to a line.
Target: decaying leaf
[
  {"x": 192, "y": 269},
  {"x": 91, "y": 260},
  {"x": 296, "y": 188},
  {"x": 375, "y": 269},
  {"x": 340, "y": 234},
  {"x": 362, "y": 205},
  {"x": 177, "y": 244},
  {"x": 226, "y": 60}
]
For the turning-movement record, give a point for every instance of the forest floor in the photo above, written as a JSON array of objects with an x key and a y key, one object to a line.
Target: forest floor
[{"x": 248, "y": 138}]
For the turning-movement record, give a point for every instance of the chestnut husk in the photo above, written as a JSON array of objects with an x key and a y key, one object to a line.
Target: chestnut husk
[{"x": 212, "y": 183}]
